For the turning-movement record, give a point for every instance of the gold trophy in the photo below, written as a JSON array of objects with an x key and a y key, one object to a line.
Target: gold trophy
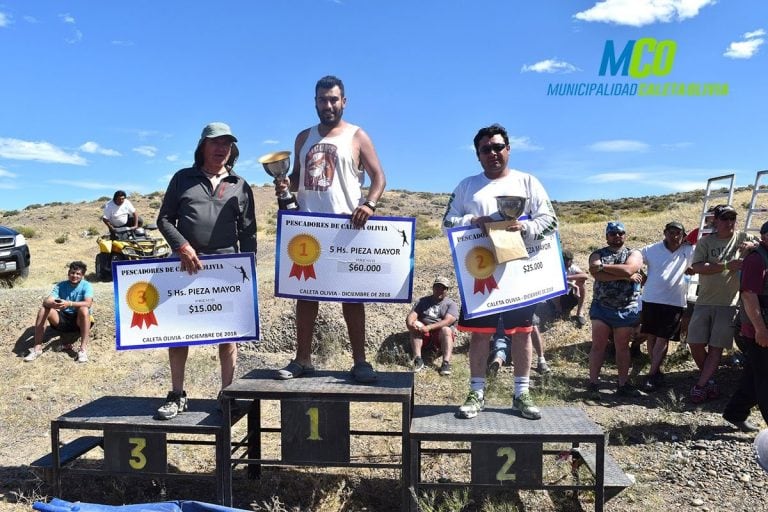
[
  {"x": 277, "y": 165},
  {"x": 508, "y": 245}
]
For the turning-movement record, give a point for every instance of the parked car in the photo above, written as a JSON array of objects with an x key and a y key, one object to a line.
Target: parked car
[{"x": 14, "y": 253}]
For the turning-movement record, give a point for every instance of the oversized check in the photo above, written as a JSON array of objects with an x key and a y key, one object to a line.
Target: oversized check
[
  {"x": 324, "y": 257},
  {"x": 487, "y": 287},
  {"x": 159, "y": 305}
]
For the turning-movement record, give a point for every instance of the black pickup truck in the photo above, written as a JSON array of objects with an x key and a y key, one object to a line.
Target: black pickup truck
[{"x": 14, "y": 253}]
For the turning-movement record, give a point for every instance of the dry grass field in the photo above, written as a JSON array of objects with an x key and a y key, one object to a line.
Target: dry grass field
[{"x": 654, "y": 438}]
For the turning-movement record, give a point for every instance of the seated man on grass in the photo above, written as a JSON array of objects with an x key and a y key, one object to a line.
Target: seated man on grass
[
  {"x": 431, "y": 321},
  {"x": 68, "y": 309}
]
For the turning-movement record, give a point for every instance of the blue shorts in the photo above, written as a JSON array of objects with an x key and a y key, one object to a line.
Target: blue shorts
[{"x": 615, "y": 317}]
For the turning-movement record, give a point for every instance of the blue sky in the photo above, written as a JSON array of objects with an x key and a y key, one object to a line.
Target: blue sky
[{"x": 99, "y": 96}]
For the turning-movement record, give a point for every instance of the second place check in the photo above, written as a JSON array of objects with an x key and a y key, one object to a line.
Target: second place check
[{"x": 324, "y": 257}]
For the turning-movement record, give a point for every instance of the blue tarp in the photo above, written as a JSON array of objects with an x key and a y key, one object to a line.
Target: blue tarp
[{"x": 57, "y": 505}]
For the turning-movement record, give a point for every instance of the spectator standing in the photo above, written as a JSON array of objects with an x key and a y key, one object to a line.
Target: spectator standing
[
  {"x": 614, "y": 308},
  {"x": 668, "y": 263},
  {"x": 717, "y": 259}
]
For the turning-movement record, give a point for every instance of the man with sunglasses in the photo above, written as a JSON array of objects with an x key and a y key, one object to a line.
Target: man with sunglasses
[
  {"x": 473, "y": 203},
  {"x": 614, "y": 307},
  {"x": 717, "y": 258}
]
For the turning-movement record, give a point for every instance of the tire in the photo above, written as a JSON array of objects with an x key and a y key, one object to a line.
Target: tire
[
  {"x": 103, "y": 267},
  {"x": 24, "y": 273}
]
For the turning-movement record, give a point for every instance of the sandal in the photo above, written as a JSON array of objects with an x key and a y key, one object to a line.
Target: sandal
[{"x": 293, "y": 370}]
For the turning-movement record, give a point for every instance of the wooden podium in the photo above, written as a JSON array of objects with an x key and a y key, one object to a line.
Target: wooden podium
[{"x": 315, "y": 424}]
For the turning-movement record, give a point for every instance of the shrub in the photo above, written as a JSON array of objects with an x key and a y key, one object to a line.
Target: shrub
[
  {"x": 426, "y": 229},
  {"x": 27, "y": 232},
  {"x": 92, "y": 231},
  {"x": 10, "y": 213},
  {"x": 155, "y": 204},
  {"x": 62, "y": 239},
  {"x": 34, "y": 206}
]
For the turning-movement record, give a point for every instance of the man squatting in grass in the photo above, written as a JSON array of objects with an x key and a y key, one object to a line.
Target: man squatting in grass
[
  {"x": 207, "y": 209},
  {"x": 331, "y": 161},
  {"x": 473, "y": 203},
  {"x": 431, "y": 322},
  {"x": 68, "y": 309}
]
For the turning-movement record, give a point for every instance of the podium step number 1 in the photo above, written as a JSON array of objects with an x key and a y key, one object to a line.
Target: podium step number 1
[{"x": 314, "y": 431}]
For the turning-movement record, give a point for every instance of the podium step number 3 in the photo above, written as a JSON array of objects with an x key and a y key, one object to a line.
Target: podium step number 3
[
  {"x": 135, "y": 452},
  {"x": 314, "y": 431}
]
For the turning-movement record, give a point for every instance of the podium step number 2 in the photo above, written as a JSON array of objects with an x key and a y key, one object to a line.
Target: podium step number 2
[
  {"x": 314, "y": 431},
  {"x": 512, "y": 464}
]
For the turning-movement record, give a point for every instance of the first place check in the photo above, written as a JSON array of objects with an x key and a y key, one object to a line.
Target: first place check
[
  {"x": 159, "y": 305},
  {"x": 324, "y": 257}
]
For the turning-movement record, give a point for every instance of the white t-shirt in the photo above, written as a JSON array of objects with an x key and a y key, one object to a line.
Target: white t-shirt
[
  {"x": 667, "y": 283},
  {"x": 476, "y": 197},
  {"x": 118, "y": 215}
]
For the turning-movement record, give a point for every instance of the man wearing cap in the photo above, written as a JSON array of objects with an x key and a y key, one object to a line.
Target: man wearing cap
[
  {"x": 717, "y": 258},
  {"x": 473, "y": 203},
  {"x": 664, "y": 295},
  {"x": 753, "y": 388},
  {"x": 332, "y": 159},
  {"x": 614, "y": 306},
  {"x": 431, "y": 322},
  {"x": 207, "y": 209}
]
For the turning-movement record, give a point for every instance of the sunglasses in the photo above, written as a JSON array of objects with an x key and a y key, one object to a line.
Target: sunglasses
[
  {"x": 616, "y": 233},
  {"x": 496, "y": 148}
]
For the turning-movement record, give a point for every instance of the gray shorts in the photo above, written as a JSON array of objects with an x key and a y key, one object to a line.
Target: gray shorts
[{"x": 712, "y": 325}]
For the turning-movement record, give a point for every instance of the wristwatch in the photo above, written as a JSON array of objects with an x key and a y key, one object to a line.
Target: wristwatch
[
  {"x": 370, "y": 204},
  {"x": 600, "y": 267}
]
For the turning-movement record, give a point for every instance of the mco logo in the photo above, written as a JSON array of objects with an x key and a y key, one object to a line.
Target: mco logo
[{"x": 639, "y": 59}]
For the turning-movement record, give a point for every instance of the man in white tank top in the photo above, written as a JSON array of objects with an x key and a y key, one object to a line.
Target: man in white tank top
[{"x": 332, "y": 159}]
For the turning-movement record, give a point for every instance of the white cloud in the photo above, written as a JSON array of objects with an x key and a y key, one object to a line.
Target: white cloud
[
  {"x": 619, "y": 145},
  {"x": 612, "y": 177},
  {"x": 67, "y": 18},
  {"x": 77, "y": 36},
  {"x": 122, "y": 43},
  {"x": 16, "y": 149},
  {"x": 172, "y": 158},
  {"x": 637, "y": 13},
  {"x": 550, "y": 66},
  {"x": 30, "y": 19},
  {"x": 6, "y": 174},
  {"x": 94, "y": 148},
  {"x": 756, "y": 33},
  {"x": 746, "y": 48},
  {"x": 521, "y": 144},
  {"x": 271, "y": 142},
  {"x": 149, "y": 151},
  {"x": 5, "y": 20},
  {"x": 681, "y": 186}
]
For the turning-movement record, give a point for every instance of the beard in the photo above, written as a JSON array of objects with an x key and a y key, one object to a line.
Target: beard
[{"x": 335, "y": 117}]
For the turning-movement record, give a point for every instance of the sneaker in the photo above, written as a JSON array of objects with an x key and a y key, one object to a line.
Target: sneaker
[
  {"x": 698, "y": 395},
  {"x": 543, "y": 367},
  {"x": 593, "y": 391},
  {"x": 174, "y": 404},
  {"x": 581, "y": 321},
  {"x": 472, "y": 405},
  {"x": 524, "y": 404},
  {"x": 653, "y": 382},
  {"x": 745, "y": 426},
  {"x": 628, "y": 390},
  {"x": 293, "y": 370},
  {"x": 445, "y": 368},
  {"x": 418, "y": 364},
  {"x": 363, "y": 372},
  {"x": 33, "y": 354},
  {"x": 493, "y": 368},
  {"x": 713, "y": 390},
  {"x": 82, "y": 356}
]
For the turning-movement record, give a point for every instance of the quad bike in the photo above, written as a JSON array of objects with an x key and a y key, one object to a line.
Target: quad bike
[{"x": 132, "y": 244}]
